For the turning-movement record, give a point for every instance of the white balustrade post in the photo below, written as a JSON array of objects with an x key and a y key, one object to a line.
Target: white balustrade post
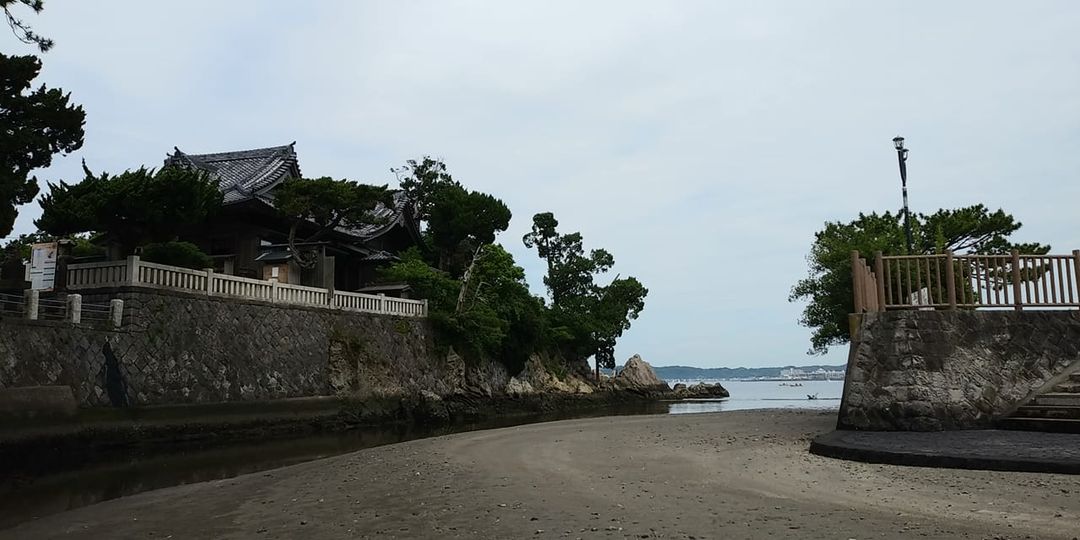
[
  {"x": 133, "y": 270},
  {"x": 209, "y": 281},
  {"x": 116, "y": 312},
  {"x": 423, "y": 313},
  {"x": 32, "y": 296},
  {"x": 74, "y": 308},
  {"x": 382, "y": 303},
  {"x": 273, "y": 289}
]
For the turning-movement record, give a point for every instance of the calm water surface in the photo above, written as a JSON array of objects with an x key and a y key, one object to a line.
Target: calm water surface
[
  {"x": 31, "y": 498},
  {"x": 765, "y": 395}
]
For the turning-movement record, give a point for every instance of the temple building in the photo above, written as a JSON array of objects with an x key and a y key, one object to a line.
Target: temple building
[{"x": 249, "y": 236}]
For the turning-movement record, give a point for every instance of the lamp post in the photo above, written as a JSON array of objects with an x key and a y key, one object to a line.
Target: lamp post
[{"x": 901, "y": 156}]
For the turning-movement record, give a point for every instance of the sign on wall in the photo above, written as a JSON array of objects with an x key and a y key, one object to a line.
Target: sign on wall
[{"x": 43, "y": 266}]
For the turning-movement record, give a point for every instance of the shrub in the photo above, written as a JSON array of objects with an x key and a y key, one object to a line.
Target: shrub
[{"x": 184, "y": 254}]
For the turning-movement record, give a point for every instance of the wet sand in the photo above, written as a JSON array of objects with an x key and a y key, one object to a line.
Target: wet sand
[{"x": 740, "y": 474}]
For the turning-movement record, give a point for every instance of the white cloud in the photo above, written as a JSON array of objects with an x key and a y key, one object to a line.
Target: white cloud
[{"x": 701, "y": 142}]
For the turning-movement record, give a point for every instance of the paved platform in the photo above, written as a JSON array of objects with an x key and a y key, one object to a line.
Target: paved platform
[{"x": 997, "y": 450}]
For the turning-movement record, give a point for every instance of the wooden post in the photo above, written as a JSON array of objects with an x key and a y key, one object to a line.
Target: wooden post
[
  {"x": 1076, "y": 268},
  {"x": 74, "y": 308},
  {"x": 133, "y": 270},
  {"x": 856, "y": 282},
  {"x": 116, "y": 312},
  {"x": 879, "y": 279},
  {"x": 1018, "y": 298},
  {"x": 950, "y": 279},
  {"x": 32, "y": 296}
]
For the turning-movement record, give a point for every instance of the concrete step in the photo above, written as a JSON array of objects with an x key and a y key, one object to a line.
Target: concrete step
[
  {"x": 1048, "y": 411},
  {"x": 1069, "y": 387},
  {"x": 1057, "y": 398},
  {"x": 1057, "y": 425}
]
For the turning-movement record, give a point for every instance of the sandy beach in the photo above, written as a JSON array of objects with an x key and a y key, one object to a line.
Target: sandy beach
[{"x": 740, "y": 474}]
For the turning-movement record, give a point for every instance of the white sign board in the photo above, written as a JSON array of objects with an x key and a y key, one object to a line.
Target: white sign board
[{"x": 43, "y": 266}]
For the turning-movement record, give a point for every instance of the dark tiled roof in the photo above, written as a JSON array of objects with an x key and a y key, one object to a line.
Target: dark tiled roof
[
  {"x": 386, "y": 287},
  {"x": 380, "y": 256},
  {"x": 252, "y": 174},
  {"x": 276, "y": 255},
  {"x": 246, "y": 174},
  {"x": 386, "y": 217}
]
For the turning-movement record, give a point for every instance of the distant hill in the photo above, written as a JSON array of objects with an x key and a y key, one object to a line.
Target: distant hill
[{"x": 690, "y": 373}]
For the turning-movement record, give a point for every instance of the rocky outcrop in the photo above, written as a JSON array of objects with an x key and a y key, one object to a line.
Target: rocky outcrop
[
  {"x": 537, "y": 378},
  {"x": 638, "y": 376},
  {"x": 700, "y": 391}
]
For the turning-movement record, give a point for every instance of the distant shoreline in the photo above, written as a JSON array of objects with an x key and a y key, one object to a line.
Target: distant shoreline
[
  {"x": 753, "y": 380},
  {"x": 816, "y": 372}
]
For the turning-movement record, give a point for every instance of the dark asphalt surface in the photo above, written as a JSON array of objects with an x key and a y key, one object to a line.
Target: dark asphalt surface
[{"x": 999, "y": 450}]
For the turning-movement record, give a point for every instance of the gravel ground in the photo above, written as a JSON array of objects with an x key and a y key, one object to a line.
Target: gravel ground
[{"x": 743, "y": 474}]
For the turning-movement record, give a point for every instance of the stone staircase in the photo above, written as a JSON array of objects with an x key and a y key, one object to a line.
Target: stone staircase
[{"x": 1057, "y": 409}]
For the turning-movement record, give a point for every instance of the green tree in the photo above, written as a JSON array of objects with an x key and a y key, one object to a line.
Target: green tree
[
  {"x": 320, "y": 205},
  {"x": 132, "y": 208},
  {"x": 496, "y": 285},
  {"x": 182, "y": 254},
  {"x": 570, "y": 271},
  {"x": 496, "y": 316},
  {"x": 440, "y": 290},
  {"x": 461, "y": 221},
  {"x": 458, "y": 221},
  {"x": 828, "y": 288},
  {"x": 22, "y": 31},
  {"x": 586, "y": 319},
  {"x": 421, "y": 180},
  {"x": 36, "y": 125}
]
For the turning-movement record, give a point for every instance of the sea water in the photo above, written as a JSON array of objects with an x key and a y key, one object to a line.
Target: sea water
[{"x": 764, "y": 395}]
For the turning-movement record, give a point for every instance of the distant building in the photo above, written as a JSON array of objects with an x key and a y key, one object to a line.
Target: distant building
[{"x": 792, "y": 373}]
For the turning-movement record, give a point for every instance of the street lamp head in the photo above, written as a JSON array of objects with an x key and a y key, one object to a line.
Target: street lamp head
[{"x": 898, "y": 142}]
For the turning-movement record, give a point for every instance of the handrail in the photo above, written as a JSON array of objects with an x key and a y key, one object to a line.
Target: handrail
[
  {"x": 138, "y": 273},
  {"x": 970, "y": 281}
]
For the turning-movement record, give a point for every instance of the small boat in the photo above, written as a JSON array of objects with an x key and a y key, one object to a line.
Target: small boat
[{"x": 811, "y": 396}]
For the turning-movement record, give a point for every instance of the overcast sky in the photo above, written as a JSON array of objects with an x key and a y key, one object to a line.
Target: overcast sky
[{"x": 702, "y": 143}]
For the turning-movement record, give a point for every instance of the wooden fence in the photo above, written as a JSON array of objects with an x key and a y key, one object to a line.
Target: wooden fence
[
  {"x": 134, "y": 272},
  {"x": 948, "y": 281}
]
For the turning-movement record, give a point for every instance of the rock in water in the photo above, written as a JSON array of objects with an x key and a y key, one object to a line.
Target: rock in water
[
  {"x": 638, "y": 375},
  {"x": 700, "y": 390}
]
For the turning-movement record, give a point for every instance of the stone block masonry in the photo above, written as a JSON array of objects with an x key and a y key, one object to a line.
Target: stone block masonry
[
  {"x": 932, "y": 370},
  {"x": 176, "y": 347}
]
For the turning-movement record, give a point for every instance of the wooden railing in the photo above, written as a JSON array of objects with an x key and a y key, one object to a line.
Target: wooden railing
[
  {"x": 135, "y": 272},
  {"x": 948, "y": 281}
]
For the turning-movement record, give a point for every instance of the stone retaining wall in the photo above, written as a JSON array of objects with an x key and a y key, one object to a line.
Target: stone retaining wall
[
  {"x": 190, "y": 348},
  {"x": 933, "y": 370}
]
